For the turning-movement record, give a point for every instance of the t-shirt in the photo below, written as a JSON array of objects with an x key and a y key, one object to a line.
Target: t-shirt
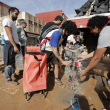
[
  {"x": 104, "y": 38},
  {"x": 71, "y": 39},
  {"x": 56, "y": 40},
  {"x": 8, "y": 22}
]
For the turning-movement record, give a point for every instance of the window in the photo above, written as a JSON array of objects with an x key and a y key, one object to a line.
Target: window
[
  {"x": 35, "y": 24},
  {"x": 30, "y": 22}
]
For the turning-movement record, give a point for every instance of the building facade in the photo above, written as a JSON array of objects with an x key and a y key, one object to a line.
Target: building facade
[
  {"x": 3, "y": 14},
  {"x": 50, "y": 16},
  {"x": 34, "y": 25}
]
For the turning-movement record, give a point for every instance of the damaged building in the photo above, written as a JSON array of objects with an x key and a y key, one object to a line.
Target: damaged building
[
  {"x": 88, "y": 10},
  {"x": 95, "y": 6}
]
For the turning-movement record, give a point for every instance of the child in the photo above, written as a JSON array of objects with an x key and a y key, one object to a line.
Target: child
[
  {"x": 69, "y": 51},
  {"x": 70, "y": 44}
]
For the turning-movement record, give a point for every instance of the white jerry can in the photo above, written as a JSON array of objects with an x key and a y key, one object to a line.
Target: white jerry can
[{"x": 19, "y": 61}]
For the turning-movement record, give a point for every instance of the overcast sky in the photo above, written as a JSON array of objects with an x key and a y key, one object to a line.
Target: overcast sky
[{"x": 39, "y": 6}]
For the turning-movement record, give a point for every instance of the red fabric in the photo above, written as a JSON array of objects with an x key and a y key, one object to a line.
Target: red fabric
[
  {"x": 33, "y": 49},
  {"x": 44, "y": 41},
  {"x": 32, "y": 81}
]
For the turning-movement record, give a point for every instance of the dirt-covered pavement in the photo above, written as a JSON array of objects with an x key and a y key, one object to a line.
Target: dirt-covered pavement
[{"x": 92, "y": 93}]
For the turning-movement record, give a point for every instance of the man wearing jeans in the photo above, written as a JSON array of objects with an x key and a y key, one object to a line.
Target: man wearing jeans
[{"x": 11, "y": 42}]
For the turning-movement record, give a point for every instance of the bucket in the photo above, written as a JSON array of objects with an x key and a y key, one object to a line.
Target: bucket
[{"x": 75, "y": 104}]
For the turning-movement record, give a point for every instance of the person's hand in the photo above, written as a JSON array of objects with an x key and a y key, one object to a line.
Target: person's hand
[
  {"x": 16, "y": 49},
  {"x": 81, "y": 58},
  {"x": 67, "y": 63},
  {"x": 83, "y": 73},
  {"x": 75, "y": 50},
  {"x": 20, "y": 41}
]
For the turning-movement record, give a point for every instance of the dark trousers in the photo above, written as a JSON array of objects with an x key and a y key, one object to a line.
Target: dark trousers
[
  {"x": 23, "y": 50},
  {"x": 10, "y": 61}
]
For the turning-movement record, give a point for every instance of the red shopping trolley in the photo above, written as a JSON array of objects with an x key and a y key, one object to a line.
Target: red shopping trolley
[{"x": 35, "y": 71}]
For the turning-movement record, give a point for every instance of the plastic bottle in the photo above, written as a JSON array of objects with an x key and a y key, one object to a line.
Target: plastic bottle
[
  {"x": 79, "y": 51},
  {"x": 78, "y": 75},
  {"x": 67, "y": 70},
  {"x": 79, "y": 68},
  {"x": 19, "y": 61},
  {"x": 66, "y": 58}
]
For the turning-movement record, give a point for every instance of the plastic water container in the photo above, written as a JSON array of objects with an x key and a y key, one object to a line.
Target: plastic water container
[
  {"x": 79, "y": 51},
  {"x": 79, "y": 68},
  {"x": 19, "y": 61},
  {"x": 67, "y": 71},
  {"x": 78, "y": 76}
]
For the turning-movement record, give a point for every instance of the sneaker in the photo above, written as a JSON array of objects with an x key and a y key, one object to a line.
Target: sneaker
[
  {"x": 59, "y": 83},
  {"x": 14, "y": 75},
  {"x": 9, "y": 79}
]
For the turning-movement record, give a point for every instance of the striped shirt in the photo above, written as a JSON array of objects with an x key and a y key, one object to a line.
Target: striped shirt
[{"x": 104, "y": 37}]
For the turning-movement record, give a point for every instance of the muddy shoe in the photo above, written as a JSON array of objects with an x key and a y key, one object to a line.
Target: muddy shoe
[
  {"x": 59, "y": 83},
  {"x": 21, "y": 72},
  {"x": 13, "y": 76}
]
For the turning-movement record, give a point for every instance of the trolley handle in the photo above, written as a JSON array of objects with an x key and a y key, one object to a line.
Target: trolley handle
[
  {"x": 26, "y": 42},
  {"x": 32, "y": 53}
]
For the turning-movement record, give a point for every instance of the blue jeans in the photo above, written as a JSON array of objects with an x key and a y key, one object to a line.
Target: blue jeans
[{"x": 9, "y": 70}]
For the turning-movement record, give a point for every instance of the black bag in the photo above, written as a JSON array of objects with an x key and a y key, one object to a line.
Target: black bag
[{"x": 49, "y": 30}]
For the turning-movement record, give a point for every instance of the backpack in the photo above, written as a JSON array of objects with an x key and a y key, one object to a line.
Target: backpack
[{"x": 49, "y": 30}]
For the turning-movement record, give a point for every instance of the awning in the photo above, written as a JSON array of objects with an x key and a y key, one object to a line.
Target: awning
[{"x": 81, "y": 23}]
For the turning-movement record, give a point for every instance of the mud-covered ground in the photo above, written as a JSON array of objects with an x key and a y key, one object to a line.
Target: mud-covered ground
[{"x": 92, "y": 93}]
